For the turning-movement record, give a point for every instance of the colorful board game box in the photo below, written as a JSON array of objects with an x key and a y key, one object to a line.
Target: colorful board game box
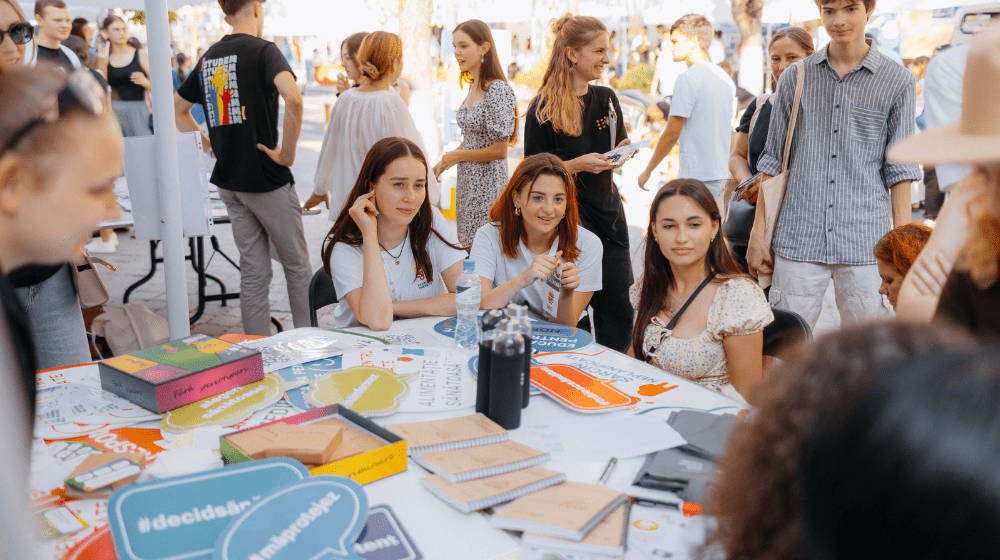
[{"x": 180, "y": 372}]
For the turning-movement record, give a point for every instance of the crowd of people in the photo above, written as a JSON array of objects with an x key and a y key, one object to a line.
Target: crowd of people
[{"x": 850, "y": 437}]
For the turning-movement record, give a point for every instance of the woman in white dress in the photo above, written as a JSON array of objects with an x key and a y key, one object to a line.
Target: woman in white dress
[
  {"x": 534, "y": 252},
  {"x": 388, "y": 245},
  {"x": 362, "y": 116}
]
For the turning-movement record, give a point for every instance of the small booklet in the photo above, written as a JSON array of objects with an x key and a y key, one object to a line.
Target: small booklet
[
  {"x": 569, "y": 511},
  {"x": 474, "y": 495},
  {"x": 608, "y": 537},
  {"x": 620, "y": 155},
  {"x": 459, "y": 465},
  {"x": 453, "y": 433}
]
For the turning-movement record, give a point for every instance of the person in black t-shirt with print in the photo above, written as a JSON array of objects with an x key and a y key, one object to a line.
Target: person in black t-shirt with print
[
  {"x": 54, "y": 27},
  {"x": 238, "y": 81},
  {"x": 572, "y": 119}
]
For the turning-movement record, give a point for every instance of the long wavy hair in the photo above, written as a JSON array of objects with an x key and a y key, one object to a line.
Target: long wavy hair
[
  {"x": 490, "y": 68},
  {"x": 757, "y": 497},
  {"x": 556, "y": 101},
  {"x": 378, "y": 51},
  {"x": 981, "y": 255},
  {"x": 512, "y": 225},
  {"x": 345, "y": 229},
  {"x": 658, "y": 278}
]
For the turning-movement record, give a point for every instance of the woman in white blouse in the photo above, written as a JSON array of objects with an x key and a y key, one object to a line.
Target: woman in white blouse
[
  {"x": 388, "y": 244},
  {"x": 534, "y": 251},
  {"x": 361, "y": 117},
  {"x": 697, "y": 315}
]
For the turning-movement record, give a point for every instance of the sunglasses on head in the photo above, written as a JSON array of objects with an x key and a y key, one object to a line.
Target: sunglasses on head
[
  {"x": 81, "y": 90},
  {"x": 19, "y": 33}
]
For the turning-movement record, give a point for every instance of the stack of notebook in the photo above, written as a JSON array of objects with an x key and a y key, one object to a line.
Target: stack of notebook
[
  {"x": 473, "y": 464},
  {"x": 570, "y": 516}
]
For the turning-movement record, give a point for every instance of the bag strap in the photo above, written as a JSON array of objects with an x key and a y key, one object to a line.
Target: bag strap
[
  {"x": 761, "y": 101},
  {"x": 800, "y": 81},
  {"x": 670, "y": 325}
]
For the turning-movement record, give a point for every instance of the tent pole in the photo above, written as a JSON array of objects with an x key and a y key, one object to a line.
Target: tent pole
[{"x": 167, "y": 174}]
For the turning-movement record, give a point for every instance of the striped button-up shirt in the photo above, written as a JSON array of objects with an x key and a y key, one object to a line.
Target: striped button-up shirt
[{"x": 837, "y": 203}]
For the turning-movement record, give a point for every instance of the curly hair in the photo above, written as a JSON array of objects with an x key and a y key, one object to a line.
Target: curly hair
[
  {"x": 900, "y": 247},
  {"x": 981, "y": 255},
  {"x": 757, "y": 498}
]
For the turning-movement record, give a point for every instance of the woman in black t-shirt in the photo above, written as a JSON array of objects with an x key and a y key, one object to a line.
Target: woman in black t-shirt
[
  {"x": 788, "y": 45},
  {"x": 578, "y": 122}
]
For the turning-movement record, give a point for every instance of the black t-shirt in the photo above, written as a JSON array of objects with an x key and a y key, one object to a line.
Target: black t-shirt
[
  {"x": 56, "y": 57},
  {"x": 601, "y": 209},
  {"x": 234, "y": 82},
  {"x": 20, "y": 339},
  {"x": 758, "y": 137},
  {"x": 964, "y": 303}
]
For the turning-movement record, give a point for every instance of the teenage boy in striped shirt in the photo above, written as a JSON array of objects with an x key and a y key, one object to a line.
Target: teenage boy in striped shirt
[{"x": 841, "y": 190}]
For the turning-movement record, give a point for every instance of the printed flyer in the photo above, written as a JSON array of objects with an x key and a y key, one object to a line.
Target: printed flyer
[{"x": 545, "y": 337}]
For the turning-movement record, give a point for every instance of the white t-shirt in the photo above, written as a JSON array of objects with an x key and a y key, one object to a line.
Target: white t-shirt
[
  {"x": 359, "y": 120},
  {"x": 706, "y": 96},
  {"x": 347, "y": 266},
  {"x": 943, "y": 103},
  {"x": 668, "y": 69},
  {"x": 492, "y": 264}
]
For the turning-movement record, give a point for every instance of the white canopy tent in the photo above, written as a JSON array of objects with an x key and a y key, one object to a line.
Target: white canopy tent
[{"x": 166, "y": 162}]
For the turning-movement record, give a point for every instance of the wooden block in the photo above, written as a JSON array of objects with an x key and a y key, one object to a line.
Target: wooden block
[
  {"x": 354, "y": 441},
  {"x": 309, "y": 444},
  {"x": 255, "y": 443}
]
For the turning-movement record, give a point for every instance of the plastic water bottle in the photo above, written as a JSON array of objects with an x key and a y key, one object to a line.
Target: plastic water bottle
[{"x": 468, "y": 289}]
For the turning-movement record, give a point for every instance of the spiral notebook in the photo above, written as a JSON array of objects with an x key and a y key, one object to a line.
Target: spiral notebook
[
  {"x": 474, "y": 495},
  {"x": 459, "y": 465},
  {"x": 445, "y": 435},
  {"x": 608, "y": 537},
  {"x": 569, "y": 510}
]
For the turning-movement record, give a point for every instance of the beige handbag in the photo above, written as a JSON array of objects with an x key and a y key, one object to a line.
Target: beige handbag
[
  {"x": 772, "y": 191},
  {"x": 89, "y": 284}
]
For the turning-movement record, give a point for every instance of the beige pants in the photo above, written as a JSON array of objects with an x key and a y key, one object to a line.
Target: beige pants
[{"x": 801, "y": 286}]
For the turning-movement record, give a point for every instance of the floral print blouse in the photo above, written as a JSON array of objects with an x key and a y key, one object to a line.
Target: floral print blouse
[{"x": 738, "y": 308}]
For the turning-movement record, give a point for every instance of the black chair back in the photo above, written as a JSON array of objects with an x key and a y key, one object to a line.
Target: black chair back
[
  {"x": 321, "y": 294},
  {"x": 787, "y": 330}
]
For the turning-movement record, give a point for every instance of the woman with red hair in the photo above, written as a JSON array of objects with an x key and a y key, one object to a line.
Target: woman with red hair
[
  {"x": 534, "y": 252},
  {"x": 895, "y": 253}
]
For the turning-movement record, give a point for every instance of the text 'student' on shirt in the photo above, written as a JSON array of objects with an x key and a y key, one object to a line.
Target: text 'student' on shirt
[
  {"x": 837, "y": 203},
  {"x": 234, "y": 82},
  {"x": 600, "y": 204}
]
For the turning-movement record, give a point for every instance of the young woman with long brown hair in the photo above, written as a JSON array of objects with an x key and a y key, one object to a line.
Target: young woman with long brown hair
[
  {"x": 535, "y": 232},
  {"x": 127, "y": 71},
  {"x": 361, "y": 117},
  {"x": 697, "y": 314},
  {"x": 349, "y": 48},
  {"x": 387, "y": 244},
  {"x": 488, "y": 119},
  {"x": 571, "y": 118}
]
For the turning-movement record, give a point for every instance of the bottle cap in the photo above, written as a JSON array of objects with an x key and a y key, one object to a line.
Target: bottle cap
[
  {"x": 508, "y": 326},
  {"x": 491, "y": 319},
  {"x": 515, "y": 310},
  {"x": 468, "y": 266}
]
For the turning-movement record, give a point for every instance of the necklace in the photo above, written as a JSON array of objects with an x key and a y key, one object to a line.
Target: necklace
[{"x": 402, "y": 247}]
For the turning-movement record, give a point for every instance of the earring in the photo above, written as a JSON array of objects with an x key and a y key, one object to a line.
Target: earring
[
  {"x": 517, "y": 211},
  {"x": 482, "y": 59},
  {"x": 713, "y": 239}
]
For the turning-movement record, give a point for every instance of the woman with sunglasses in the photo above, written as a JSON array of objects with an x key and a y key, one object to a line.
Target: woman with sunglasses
[
  {"x": 15, "y": 33},
  {"x": 60, "y": 153}
]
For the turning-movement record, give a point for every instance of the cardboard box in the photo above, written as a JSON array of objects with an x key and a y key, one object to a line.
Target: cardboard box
[
  {"x": 367, "y": 452},
  {"x": 180, "y": 372}
]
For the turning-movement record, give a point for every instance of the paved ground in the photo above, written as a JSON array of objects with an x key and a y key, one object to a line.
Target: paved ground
[{"x": 132, "y": 256}]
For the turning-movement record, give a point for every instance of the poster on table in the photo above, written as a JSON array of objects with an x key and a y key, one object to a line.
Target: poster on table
[
  {"x": 605, "y": 381},
  {"x": 545, "y": 337},
  {"x": 383, "y": 380},
  {"x": 305, "y": 345}
]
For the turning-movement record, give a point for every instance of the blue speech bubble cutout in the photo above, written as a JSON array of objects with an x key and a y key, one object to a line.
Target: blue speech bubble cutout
[
  {"x": 317, "y": 518},
  {"x": 180, "y": 518}
]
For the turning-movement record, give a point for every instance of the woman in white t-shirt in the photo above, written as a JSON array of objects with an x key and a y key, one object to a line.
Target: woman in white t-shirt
[
  {"x": 362, "y": 116},
  {"x": 534, "y": 251},
  {"x": 387, "y": 245}
]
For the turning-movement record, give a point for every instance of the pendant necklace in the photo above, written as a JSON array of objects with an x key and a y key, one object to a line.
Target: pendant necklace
[{"x": 402, "y": 247}]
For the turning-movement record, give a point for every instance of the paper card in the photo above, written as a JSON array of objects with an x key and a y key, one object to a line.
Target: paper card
[
  {"x": 299, "y": 346},
  {"x": 93, "y": 512},
  {"x": 57, "y": 522},
  {"x": 592, "y": 438},
  {"x": 105, "y": 469},
  {"x": 225, "y": 408},
  {"x": 71, "y": 431},
  {"x": 384, "y": 380},
  {"x": 320, "y": 517},
  {"x": 607, "y": 380},
  {"x": 86, "y": 374},
  {"x": 182, "y": 517},
  {"x": 84, "y": 404},
  {"x": 553, "y": 287},
  {"x": 411, "y": 337},
  {"x": 386, "y": 539},
  {"x": 657, "y": 533},
  {"x": 620, "y": 155},
  {"x": 545, "y": 337}
]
